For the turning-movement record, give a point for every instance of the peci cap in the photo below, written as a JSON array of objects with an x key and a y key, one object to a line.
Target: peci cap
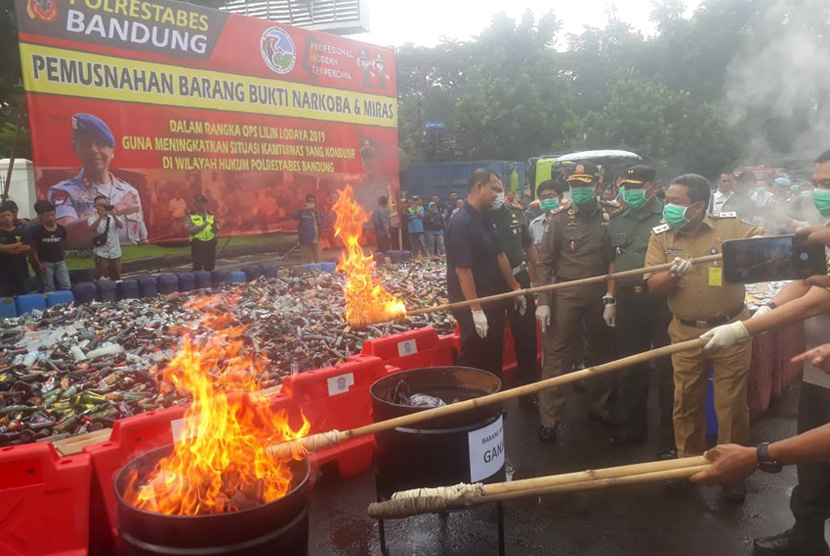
[
  {"x": 585, "y": 172},
  {"x": 87, "y": 124},
  {"x": 200, "y": 198},
  {"x": 639, "y": 175}
]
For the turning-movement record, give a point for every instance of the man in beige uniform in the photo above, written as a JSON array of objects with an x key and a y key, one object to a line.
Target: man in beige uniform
[{"x": 699, "y": 301}]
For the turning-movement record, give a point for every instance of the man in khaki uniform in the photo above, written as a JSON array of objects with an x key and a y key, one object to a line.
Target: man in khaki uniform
[
  {"x": 699, "y": 301},
  {"x": 574, "y": 246}
]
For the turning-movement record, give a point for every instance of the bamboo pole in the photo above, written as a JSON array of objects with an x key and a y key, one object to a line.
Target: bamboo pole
[
  {"x": 442, "y": 499},
  {"x": 557, "y": 286},
  {"x": 330, "y": 438}
]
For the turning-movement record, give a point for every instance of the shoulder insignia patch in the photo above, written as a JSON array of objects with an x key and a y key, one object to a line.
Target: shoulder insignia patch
[{"x": 660, "y": 229}]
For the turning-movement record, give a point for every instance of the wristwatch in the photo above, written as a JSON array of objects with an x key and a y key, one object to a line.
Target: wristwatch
[
  {"x": 607, "y": 299},
  {"x": 766, "y": 463}
]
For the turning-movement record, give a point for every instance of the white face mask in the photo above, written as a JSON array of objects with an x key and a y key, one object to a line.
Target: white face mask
[{"x": 499, "y": 201}]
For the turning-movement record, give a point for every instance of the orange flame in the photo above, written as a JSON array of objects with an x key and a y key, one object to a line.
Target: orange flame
[
  {"x": 220, "y": 463},
  {"x": 366, "y": 299}
]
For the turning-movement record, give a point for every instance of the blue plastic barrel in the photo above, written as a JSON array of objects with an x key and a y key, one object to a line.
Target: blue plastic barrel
[
  {"x": 711, "y": 415},
  {"x": 127, "y": 289},
  {"x": 106, "y": 290},
  {"x": 238, "y": 277},
  {"x": 8, "y": 310},
  {"x": 29, "y": 302},
  {"x": 252, "y": 272},
  {"x": 85, "y": 292},
  {"x": 187, "y": 281},
  {"x": 148, "y": 286},
  {"x": 60, "y": 297},
  {"x": 203, "y": 279},
  {"x": 167, "y": 283},
  {"x": 328, "y": 267},
  {"x": 269, "y": 270},
  {"x": 394, "y": 256},
  {"x": 406, "y": 256},
  {"x": 220, "y": 277}
]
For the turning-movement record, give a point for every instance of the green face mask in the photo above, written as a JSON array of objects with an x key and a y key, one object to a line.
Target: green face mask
[
  {"x": 635, "y": 198},
  {"x": 548, "y": 205},
  {"x": 582, "y": 195},
  {"x": 821, "y": 197},
  {"x": 675, "y": 216}
]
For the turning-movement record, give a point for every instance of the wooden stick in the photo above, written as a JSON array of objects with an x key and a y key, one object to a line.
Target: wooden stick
[
  {"x": 557, "y": 286},
  {"x": 330, "y": 438},
  {"x": 442, "y": 499}
]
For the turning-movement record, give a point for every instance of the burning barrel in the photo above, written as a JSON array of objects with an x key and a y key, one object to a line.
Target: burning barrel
[
  {"x": 467, "y": 447},
  {"x": 276, "y": 527}
]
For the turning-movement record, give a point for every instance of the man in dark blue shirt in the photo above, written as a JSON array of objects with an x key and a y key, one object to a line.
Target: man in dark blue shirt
[
  {"x": 308, "y": 232},
  {"x": 477, "y": 267}
]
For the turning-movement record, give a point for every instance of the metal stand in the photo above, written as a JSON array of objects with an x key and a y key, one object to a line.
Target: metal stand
[{"x": 384, "y": 549}]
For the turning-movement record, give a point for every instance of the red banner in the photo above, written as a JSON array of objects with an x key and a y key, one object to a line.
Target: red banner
[{"x": 151, "y": 102}]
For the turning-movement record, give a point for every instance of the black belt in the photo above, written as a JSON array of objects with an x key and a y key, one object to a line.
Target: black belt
[{"x": 713, "y": 322}]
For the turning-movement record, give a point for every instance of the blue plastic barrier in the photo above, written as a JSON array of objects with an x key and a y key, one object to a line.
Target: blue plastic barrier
[
  {"x": 328, "y": 267},
  {"x": 59, "y": 297},
  {"x": 29, "y": 302},
  {"x": 406, "y": 256},
  {"x": 127, "y": 289},
  {"x": 269, "y": 270},
  {"x": 711, "y": 415},
  {"x": 167, "y": 283},
  {"x": 106, "y": 290},
  {"x": 394, "y": 256},
  {"x": 148, "y": 286},
  {"x": 220, "y": 277},
  {"x": 187, "y": 281},
  {"x": 203, "y": 279},
  {"x": 252, "y": 272},
  {"x": 8, "y": 310},
  {"x": 313, "y": 267},
  {"x": 85, "y": 292},
  {"x": 238, "y": 277}
]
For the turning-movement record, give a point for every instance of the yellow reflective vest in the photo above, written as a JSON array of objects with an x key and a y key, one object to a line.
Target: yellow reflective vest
[{"x": 206, "y": 234}]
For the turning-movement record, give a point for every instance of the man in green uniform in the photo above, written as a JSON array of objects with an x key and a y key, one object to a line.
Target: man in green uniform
[
  {"x": 699, "y": 301},
  {"x": 574, "y": 246},
  {"x": 201, "y": 225},
  {"x": 640, "y": 319},
  {"x": 513, "y": 229}
]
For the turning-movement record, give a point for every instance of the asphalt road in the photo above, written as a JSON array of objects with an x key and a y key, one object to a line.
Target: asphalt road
[{"x": 633, "y": 520}]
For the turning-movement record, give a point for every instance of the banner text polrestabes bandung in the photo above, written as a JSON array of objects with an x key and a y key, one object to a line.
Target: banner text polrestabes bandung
[{"x": 81, "y": 74}]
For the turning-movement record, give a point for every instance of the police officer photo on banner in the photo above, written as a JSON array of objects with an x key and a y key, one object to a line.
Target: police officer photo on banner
[{"x": 93, "y": 144}]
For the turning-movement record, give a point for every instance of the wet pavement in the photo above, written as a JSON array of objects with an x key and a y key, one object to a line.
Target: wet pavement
[{"x": 628, "y": 520}]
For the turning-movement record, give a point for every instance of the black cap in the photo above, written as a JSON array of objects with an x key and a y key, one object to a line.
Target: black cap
[
  {"x": 639, "y": 175},
  {"x": 585, "y": 172},
  {"x": 200, "y": 198}
]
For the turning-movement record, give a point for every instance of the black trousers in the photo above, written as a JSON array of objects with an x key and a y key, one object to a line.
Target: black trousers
[
  {"x": 642, "y": 324},
  {"x": 523, "y": 328},
  {"x": 810, "y": 501},
  {"x": 482, "y": 353},
  {"x": 203, "y": 254},
  {"x": 384, "y": 243},
  {"x": 14, "y": 281}
]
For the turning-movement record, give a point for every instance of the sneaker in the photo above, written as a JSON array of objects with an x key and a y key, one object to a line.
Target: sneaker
[
  {"x": 548, "y": 435},
  {"x": 788, "y": 544}
]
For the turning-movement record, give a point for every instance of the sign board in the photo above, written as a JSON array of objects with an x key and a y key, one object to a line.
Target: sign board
[
  {"x": 340, "y": 384},
  {"x": 486, "y": 450},
  {"x": 149, "y": 102},
  {"x": 432, "y": 125}
]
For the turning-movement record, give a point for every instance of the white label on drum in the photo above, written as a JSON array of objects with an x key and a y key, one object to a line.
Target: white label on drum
[
  {"x": 341, "y": 383},
  {"x": 407, "y": 347},
  {"x": 486, "y": 450},
  {"x": 176, "y": 427}
]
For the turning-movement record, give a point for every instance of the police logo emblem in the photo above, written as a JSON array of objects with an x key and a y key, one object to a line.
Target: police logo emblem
[
  {"x": 44, "y": 10},
  {"x": 580, "y": 169},
  {"x": 278, "y": 50},
  {"x": 59, "y": 197}
]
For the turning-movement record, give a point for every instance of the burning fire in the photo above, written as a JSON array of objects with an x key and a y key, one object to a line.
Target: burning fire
[
  {"x": 366, "y": 299},
  {"x": 220, "y": 463}
]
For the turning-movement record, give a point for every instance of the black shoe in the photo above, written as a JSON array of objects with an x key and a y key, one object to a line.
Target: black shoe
[
  {"x": 734, "y": 493},
  {"x": 548, "y": 434},
  {"x": 602, "y": 418},
  {"x": 788, "y": 544},
  {"x": 623, "y": 438}
]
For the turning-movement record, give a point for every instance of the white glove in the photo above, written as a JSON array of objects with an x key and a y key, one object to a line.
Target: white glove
[
  {"x": 543, "y": 316},
  {"x": 480, "y": 322},
  {"x": 724, "y": 337},
  {"x": 762, "y": 310},
  {"x": 520, "y": 304},
  {"x": 680, "y": 267},
  {"x": 609, "y": 314}
]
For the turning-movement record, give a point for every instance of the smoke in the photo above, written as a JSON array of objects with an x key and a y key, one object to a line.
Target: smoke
[{"x": 778, "y": 84}]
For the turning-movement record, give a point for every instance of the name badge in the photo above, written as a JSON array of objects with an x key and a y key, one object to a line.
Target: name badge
[{"x": 715, "y": 276}]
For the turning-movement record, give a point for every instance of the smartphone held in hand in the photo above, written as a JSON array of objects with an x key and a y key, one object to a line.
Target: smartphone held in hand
[{"x": 769, "y": 259}]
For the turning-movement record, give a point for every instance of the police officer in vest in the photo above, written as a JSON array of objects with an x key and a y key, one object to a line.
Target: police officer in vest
[
  {"x": 640, "y": 319},
  {"x": 201, "y": 226},
  {"x": 574, "y": 246}
]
